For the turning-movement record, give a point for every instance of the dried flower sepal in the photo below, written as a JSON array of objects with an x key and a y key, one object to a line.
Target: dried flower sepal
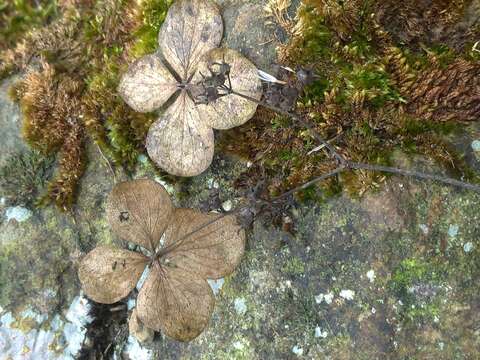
[
  {"x": 175, "y": 297},
  {"x": 181, "y": 141}
]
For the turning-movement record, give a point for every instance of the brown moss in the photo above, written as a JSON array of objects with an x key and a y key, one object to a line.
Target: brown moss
[
  {"x": 344, "y": 18},
  {"x": 414, "y": 22},
  {"x": 72, "y": 68},
  {"x": 52, "y": 124},
  {"x": 443, "y": 94},
  {"x": 57, "y": 41}
]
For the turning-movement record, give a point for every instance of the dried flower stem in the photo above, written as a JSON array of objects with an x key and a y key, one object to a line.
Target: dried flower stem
[{"x": 345, "y": 164}]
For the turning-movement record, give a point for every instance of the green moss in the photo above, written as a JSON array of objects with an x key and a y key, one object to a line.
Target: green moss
[
  {"x": 412, "y": 127},
  {"x": 24, "y": 176},
  {"x": 294, "y": 266},
  {"x": 417, "y": 284},
  {"x": 360, "y": 101},
  {"x": 153, "y": 14},
  {"x": 42, "y": 267},
  {"x": 19, "y": 16}
]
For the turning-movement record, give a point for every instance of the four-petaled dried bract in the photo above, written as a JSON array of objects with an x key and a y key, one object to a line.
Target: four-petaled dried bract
[
  {"x": 181, "y": 141},
  {"x": 184, "y": 247}
]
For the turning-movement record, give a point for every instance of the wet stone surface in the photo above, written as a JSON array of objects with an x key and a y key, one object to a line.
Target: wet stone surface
[
  {"x": 247, "y": 30},
  {"x": 393, "y": 274}
]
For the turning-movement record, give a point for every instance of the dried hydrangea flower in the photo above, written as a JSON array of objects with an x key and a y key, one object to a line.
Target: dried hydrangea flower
[
  {"x": 181, "y": 141},
  {"x": 182, "y": 249}
]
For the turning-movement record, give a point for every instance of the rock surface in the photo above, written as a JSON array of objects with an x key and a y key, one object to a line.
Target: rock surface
[{"x": 391, "y": 275}]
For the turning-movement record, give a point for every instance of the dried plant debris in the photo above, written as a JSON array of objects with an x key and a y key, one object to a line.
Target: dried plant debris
[
  {"x": 443, "y": 94},
  {"x": 107, "y": 330},
  {"x": 181, "y": 248},
  {"x": 181, "y": 141},
  {"x": 415, "y": 23}
]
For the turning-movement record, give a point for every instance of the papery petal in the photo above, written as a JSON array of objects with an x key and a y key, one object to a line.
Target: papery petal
[
  {"x": 210, "y": 245},
  {"x": 179, "y": 141},
  {"x": 191, "y": 28},
  {"x": 230, "y": 110},
  {"x": 108, "y": 274},
  {"x": 147, "y": 84},
  {"x": 138, "y": 329},
  {"x": 139, "y": 211},
  {"x": 176, "y": 302}
]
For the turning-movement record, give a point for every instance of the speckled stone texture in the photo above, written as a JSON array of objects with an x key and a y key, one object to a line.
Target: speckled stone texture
[{"x": 393, "y": 274}]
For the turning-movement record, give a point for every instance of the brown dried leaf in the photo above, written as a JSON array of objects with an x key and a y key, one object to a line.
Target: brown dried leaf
[
  {"x": 136, "y": 328},
  {"x": 179, "y": 141},
  {"x": 212, "y": 252},
  {"x": 230, "y": 110},
  {"x": 175, "y": 301},
  {"x": 191, "y": 28},
  {"x": 147, "y": 84},
  {"x": 108, "y": 274},
  {"x": 139, "y": 211}
]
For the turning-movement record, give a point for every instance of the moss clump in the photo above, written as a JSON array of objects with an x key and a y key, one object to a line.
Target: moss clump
[
  {"x": 73, "y": 68},
  {"x": 20, "y": 16},
  {"x": 24, "y": 177},
  {"x": 34, "y": 274},
  {"x": 294, "y": 266},
  {"x": 52, "y": 124},
  {"x": 372, "y": 96},
  {"x": 417, "y": 284},
  {"x": 151, "y": 15}
]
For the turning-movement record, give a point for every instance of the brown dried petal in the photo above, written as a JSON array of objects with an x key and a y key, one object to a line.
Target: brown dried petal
[
  {"x": 139, "y": 211},
  {"x": 136, "y": 328},
  {"x": 179, "y": 142},
  {"x": 147, "y": 84},
  {"x": 231, "y": 110},
  {"x": 108, "y": 274},
  {"x": 213, "y": 251},
  {"x": 175, "y": 301},
  {"x": 191, "y": 28}
]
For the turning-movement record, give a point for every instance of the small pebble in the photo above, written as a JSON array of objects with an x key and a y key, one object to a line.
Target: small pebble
[
  {"x": 227, "y": 205},
  {"x": 476, "y": 145},
  {"x": 237, "y": 345},
  {"x": 18, "y": 213},
  {"x": 371, "y": 275},
  {"x": 297, "y": 350},
  {"x": 142, "y": 159},
  {"x": 328, "y": 298},
  {"x": 424, "y": 229},
  {"x": 319, "y": 333},
  {"x": 467, "y": 247},
  {"x": 216, "y": 285},
  {"x": 347, "y": 294},
  {"x": 453, "y": 230},
  {"x": 240, "y": 306}
]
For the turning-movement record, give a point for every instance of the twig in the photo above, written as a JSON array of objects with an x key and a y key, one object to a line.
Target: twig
[
  {"x": 413, "y": 173},
  {"x": 108, "y": 163},
  {"x": 346, "y": 164},
  {"x": 318, "y": 179},
  {"x": 298, "y": 119}
]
